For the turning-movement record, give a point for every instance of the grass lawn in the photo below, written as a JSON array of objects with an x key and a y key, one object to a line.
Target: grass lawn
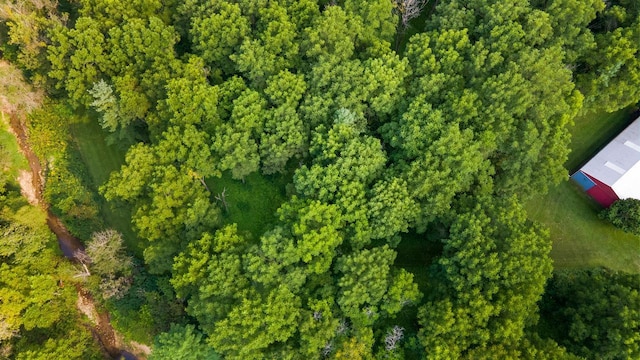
[
  {"x": 580, "y": 238},
  {"x": 252, "y": 204},
  {"x": 592, "y": 132},
  {"x": 100, "y": 160}
]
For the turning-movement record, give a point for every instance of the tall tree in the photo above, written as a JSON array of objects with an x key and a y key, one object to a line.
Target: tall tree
[
  {"x": 595, "y": 312},
  {"x": 235, "y": 140},
  {"x": 209, "y": 275},
  {"x": 256, "y": 324},
  {"x": 182, "y": 343},
  {"x": 273, "y": 49},
  {"x": 218, "y": 35},
  {"x": 28, "y": 23},
  {"x": 284, "y": 134},
  {"x": 165, "y": 183},
  {"x": 77, "y": 58},
  {"x": 490, "y": 277}
]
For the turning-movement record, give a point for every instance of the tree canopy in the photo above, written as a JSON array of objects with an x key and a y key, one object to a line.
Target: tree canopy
[{"x": 437, "y": 138}]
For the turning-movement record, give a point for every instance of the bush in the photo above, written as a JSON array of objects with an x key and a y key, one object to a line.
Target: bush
[
  {"x": 67, "y": 182},
  {"x": 624, "y": 214}
]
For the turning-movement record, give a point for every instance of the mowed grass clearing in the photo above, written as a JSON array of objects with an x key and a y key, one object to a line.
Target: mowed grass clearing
[
  {"x": 100, "y": 159},
  {"x": 580, "y": 238},
  {"x": 592, "y": 132},
  {"x": 252, "y": 204}
]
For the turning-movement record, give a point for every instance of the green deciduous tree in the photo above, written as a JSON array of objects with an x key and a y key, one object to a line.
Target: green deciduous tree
[
  {"x": 344, "y": 163},
  {"x": 569, "y": 20},
  {"x": 77, "y": 58},
  {"x": 273, "y": 49},
  {"x": 609, "y": 73},
  {"x": 235, "y": 141},
  {"x": 208, "y": 274},
  {"x": 257, "y": 323},
  {"x": 595, "y": 312},
  {"x": 513, "y": 97},
  {"x": 624, "y": 214},
  {"x": 144, "y": 51},
  {"x": 492, "y": 273},
  {"x": 28, "y": 23},
  {"x": 377, "y": 19},
  {"x": 219, "y": 35},
  {"x": 182, "y": 343},
  {"x": 317, "y": 327},
  {"x": 165, "y": 183},
  {"x": 366, "y": 281},
  {"x": 284, "y": 134},
  {"x": 112, "y": 13},
  {"x": 38, "y": 317}
]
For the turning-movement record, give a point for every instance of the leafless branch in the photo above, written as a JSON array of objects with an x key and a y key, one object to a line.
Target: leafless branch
[
  {"x": 222, "y": 197},
  {"x": 393, "y": 337},
  {"x": 409, "y": 9}
]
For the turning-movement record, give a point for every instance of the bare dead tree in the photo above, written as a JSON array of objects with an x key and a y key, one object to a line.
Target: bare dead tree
[
  {"x": 115, "y": 287},
  {"x": 393, "y": 337},
  {"x": 84, "y": 259},
  {"x": 343, "y": 327},
  {"x": 106, "y": 254},
  {"x": 222, "y": 197},
  {"x": 204, "y": 183},
  {"x": 409, "y": 9},
  {"x": 327, "y": 349}
]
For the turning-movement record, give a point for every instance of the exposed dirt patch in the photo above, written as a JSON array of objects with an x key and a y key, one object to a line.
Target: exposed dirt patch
[
  {"x": 17, "y": 99},
  {"x": 87, "y": 307},
  {"x": 141, "y": 351},
  {"x": 103, "y": 332},
  {"x": 25, "y": 179}
]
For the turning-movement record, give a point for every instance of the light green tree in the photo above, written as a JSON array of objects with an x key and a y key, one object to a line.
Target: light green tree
[
  {"x": 492, "y": 274},
  {"x": 182, "y": 343}
]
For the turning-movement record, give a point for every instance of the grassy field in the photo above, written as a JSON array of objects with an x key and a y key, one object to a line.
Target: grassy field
[
  {"x": 100, "y": 160},
  {"x": 592, "y": 132},
  {"x": 252, "y": 204},
  {"x": 580, "y": 238}
]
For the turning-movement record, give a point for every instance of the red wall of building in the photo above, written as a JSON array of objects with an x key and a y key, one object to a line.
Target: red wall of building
[{"x": 602, "y": 193}]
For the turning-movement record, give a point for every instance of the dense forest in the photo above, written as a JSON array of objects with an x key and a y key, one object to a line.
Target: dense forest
[{"x": 384, "y": 149}]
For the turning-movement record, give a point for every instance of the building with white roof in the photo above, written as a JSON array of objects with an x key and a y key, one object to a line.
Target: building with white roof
[{"x": 614, "y": 173}]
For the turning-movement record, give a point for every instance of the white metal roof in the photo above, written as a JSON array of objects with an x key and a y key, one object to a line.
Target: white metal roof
[{"x": 618, "y": 164}]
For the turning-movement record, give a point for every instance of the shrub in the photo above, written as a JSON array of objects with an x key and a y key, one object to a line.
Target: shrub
[{"x": 624, "y": 214}]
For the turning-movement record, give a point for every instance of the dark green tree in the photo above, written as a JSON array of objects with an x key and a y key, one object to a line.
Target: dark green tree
[
  {"x": 595, "y": 313},
  {"x": 624, "y": 214},
  {"x": 182, "y": 343},
  {"x": 490, "y": 277}
]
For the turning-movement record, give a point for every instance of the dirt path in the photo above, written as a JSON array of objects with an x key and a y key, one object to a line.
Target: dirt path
[{"x": 14, "y": 91}]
